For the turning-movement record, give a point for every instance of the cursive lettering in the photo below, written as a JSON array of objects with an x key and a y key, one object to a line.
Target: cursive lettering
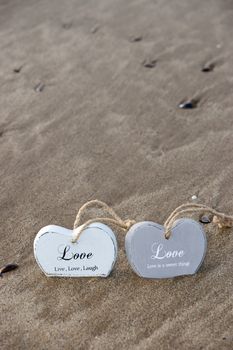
[
  {"x": 67, "y": 254},
  {"x": 161, "y": 253}
]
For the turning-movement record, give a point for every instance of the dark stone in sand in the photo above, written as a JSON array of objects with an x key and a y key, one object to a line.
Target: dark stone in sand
[
  {"x": 7, "y": 268},
  {"x": 94, "y": 29},
  {"x": 188, "y": 104},
  {"x": 149, "y": 63},
  {"x": 67, "y": 25},
  {"x": 135, "y": 39},
  {"x": 208, "y": 67},
  {"x": 204, "y": 219},
  {"x": 39, "y": 87},
  {"x": 18, "y": 69}
]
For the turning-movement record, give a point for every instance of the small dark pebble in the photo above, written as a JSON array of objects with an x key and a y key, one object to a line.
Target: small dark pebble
[
  {"x": 204, "y": 219},
  {"x": 188, "y": 104},
  {"x": 18, "y": 69},
  {"x": 135, "y": 39},
  {"x": 67, "y": 25},
  {"x": 149, "y": 63},
  {"x": 208, "y": 67},
  {"x": 7, "y": 268},
  {"x": 39, "y": 87},
  {"x": 94, "y": 29}
]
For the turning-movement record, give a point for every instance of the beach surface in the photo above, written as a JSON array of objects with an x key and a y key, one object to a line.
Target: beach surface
[{"x": 83, "y": 116}]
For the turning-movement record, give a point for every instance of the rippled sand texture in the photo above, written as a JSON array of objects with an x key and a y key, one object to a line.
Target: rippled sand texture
[{"x": 81, "y": 117}]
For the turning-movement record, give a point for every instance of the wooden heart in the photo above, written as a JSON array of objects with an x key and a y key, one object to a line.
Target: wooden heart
[
  {"x": 94, "y": 254},
  {"x": 151, "y": 255}
]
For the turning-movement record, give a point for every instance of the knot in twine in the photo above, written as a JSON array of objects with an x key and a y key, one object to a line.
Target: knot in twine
[
  {"x": 220, "y": 219},
  {"x": 114, "y": 219}
]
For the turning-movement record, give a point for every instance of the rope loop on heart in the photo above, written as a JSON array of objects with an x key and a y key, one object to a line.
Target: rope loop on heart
[
  {"x": 220, "y": 219},
  {"x": 114, "y": 219}
]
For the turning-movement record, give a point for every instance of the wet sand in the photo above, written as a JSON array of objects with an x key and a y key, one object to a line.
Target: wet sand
[{"x": 82, "y": 117}]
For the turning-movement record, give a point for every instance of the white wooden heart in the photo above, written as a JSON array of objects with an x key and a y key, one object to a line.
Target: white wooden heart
[
  {"x": 94, "y": 254},
  {"x": 151, "y": 255}
]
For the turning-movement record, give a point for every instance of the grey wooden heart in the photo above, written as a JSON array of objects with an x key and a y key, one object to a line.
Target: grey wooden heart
[{"x": 151, "y": 255}]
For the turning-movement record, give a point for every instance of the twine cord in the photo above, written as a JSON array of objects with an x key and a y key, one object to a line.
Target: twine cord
[
  {"x": 220, "y": 219},
  {"x": 114, "y": 219}
]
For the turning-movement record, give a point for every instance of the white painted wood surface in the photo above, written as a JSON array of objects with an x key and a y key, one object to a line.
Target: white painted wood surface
[{"x": 94, "y": 254}]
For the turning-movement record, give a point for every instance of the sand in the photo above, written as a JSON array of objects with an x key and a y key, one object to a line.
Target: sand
[{"x": 101, "y": 125}]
